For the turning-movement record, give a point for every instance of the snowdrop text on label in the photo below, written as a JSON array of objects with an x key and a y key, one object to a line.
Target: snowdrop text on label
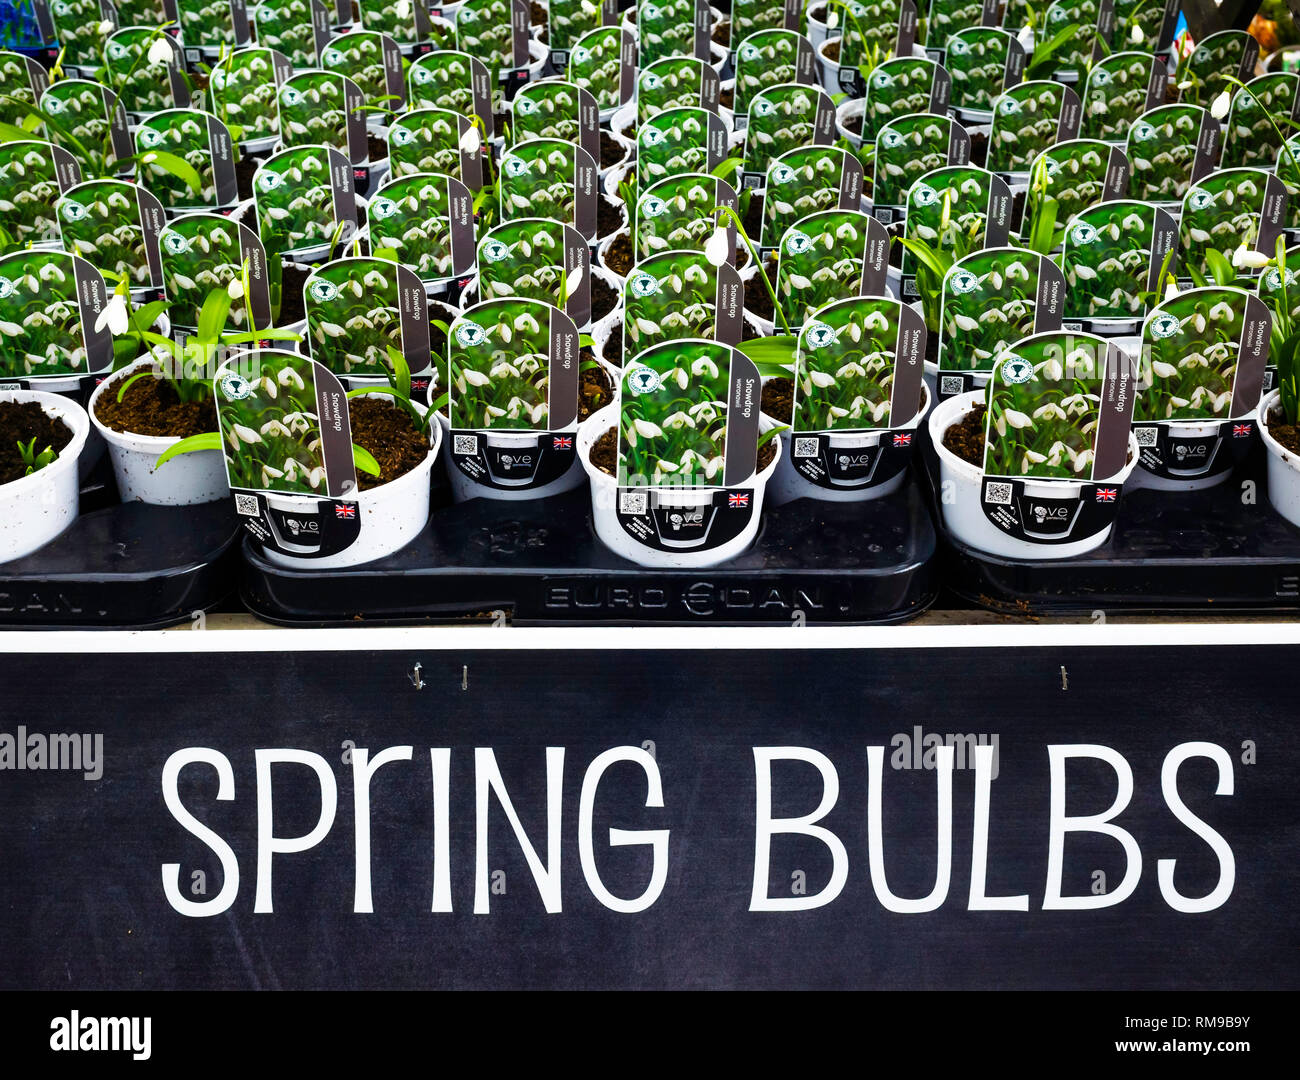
[{"x": 819, "y": 790}]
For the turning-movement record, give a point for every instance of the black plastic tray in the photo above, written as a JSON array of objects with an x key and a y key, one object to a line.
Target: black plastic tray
[
  {"x": 1220, "y": 550},
  {"x": 541, "y": 563},
  {"x": 124, "y": 566}
]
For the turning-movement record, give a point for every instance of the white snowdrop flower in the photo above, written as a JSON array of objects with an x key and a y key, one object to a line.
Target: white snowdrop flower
[
  {"x": 647, "y": 428},
  {"x": 160, "y": 52},
  {"x": 1135, "y": 35},
  {"x": 1051, "y": 410},
  {"x": 1199, "y": 235},
  {"x": 678, "y": 420},
  {"x": 267, "y": 385},
  {"x": 965, "y": 322},
  {"x": 1032, "y": 457},
  {"x": 247, "y": 434},
  {"x": 821, "y": 379},
  {"x": 1219, "y": 109},
  {"x": 1171, "y": 291},
  {"x": 1221, "y": 312},
  {"x": 1082, "y": 461},
  {"x": 114, "y": 315},
  {"x": 799, "y": 281},
  {"x": 718, "y": 246},
  {"x": 235, "y": 290},
  {"x": 476, "y": 378},
  {"x": 1052, "y": 369},
  {"x": 646, "y": 326},
  {"x": 1086, "y": 273},
  {"x": 1244, "y": 259},
  {"x": 1163, "y": 370},
  {"x": 1017, "y": 419},
  {"x": 316, "y": 476}
]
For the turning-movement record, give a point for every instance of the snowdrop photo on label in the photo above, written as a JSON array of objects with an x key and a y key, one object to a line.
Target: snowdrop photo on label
[
  {"x": 500, "y": 366},
  {"x": 569, "y": 21},
  {"x": 316, "y": 107},
  {"x": 1112, "y": 257},
  {"x": 539, "y": 178},
  {"x": 411, "y": 222},
  {"x": 203, "y": 143},
  {"x": 242, "y": 90},
  {"x": 602, "y": 62},
  {"x": 666, "y": 28},
  {"x": 31, "y": 175},
  {"x": 143, "y": 67},
  {"x": 1067, "y": 178},
  {"x": 949, "y": 209},
  {"x": 200, "y": 253},
  {"x": 678, "y": 213},
  {"x": 770, "y": 58},
  {"x": 101, "y": 220},
  {"x": 785, "y": 118},
  {"x": 285, "y": 25},
  {"x": 947, "y": 17},
  {"x": 903, "y": 87},
  {"x": 1231, "y": 217},
  {"x": 22, "y": 81},
  {"x": 804, "y": 181},
  {"x": 910, "y": 147},
  {"x": 1266, "y": 107},
  {"x": 211, "y": 23},
  {"x": 1203, "y": 75},
  {"x": 672, "y": 83},
  {"x": 354, "y": 315},
  {"x": 678, "y": 141},
  {"x": 676, "y": 295},
  {"x": 371, "y": 60},
  {"x": 434, "y": 140},
  {"x": 41, "y": 323},
  {"x": 1164, "y": 149},
  {"x": 980, "y": 61},
  {"x": 1119, "y": 89},
  {"x": 1027, "y": 119},
  {"x": 826, "y": 257},
  {"x": 405, "y": 21},
  {"x": 297, "y": 207}
]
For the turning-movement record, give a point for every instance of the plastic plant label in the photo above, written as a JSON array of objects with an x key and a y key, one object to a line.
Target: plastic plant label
[
  {"x": 451, "y": 80},
  {"x": 115, "y": 227},
  {"x": 357, "y": 308},
  {"x": 141, "y": 12},
  {"x": 514, "y": 370},
  {"x": 680, "y": 294},
  {"x": 1119, "y": 90},
  {"x": 22, "y": 82},
  {"x": 1112, "y": 256},
  {"x": 82, "y": 27},
  {"x": 857, "y": 369},
  {"x": 490, "y": 30},
  {"x": 209, "y": 23},
  {"x": 947, "y": 17},
  {"x": 305, "y": 200},
  {"x": 530, "y": 258},
  {"x": 144, "y": 87},
  {"x": 1281, "y": 294},
  {"x": 983, "y": 63},
  {"x": 1268, "y": 107},
  {"x": 770, "y": 58},
  {"x": 1227, "y": 53},
  {"x": 784, "y": 119},
  {"x": 828, "y": 256},
  {"x": 550, "y": 178},
  {"x": 1029, "y": 118},
  {"x": 557, "y": 110},
  {"x": 372, "y": 61},
  {"x": 603, "y": 62},
  {"x": 32, "y": 176},
  {"x": 1171, "y": 148},
  {"x": 991, "y": 299},
  {"x": 902, "y": 87},
  {"x": 1074, "y": 175},
  {"x": 405, "y": 22},
  {"x": 568, "y": 21},
  {"x": 803, "y": 181},
  {"x": 677, "y": 141},
  {"x": 876, "y": 28},
  {"x": 202, "y": 252},
  {"x": 673, "y": 28},
  {"x": 959, "y": 209},
  {"x": 1229, "y": 211},
  {"x": 287, "y": 438},
  {"x": 1056, "y": 432},
  {"x": 86, "y": 113},
  {"x": 49, "y": 302},
  {"x": 286, "y": 26},
  {"x": 677, "y": 214},
  {"x": 674, "y": 83},
  {"x": 748, "y": 16},
  {"x": 1288, "y": 171},
  {"x": 432, "y": 140},
  {"x": 319, "y": 107},
  {"x": 1081, "y": 47},
  {"x": 1203, "y": 358},
  {"x": 688, "y": 445},
  {"x": 242, "y": 91},
  {"x": 426, "y": 221},
  {"x": 200, "y": 140},
  {"x": 1157, "y": 22},
  {"x": 907, "y": 149}
]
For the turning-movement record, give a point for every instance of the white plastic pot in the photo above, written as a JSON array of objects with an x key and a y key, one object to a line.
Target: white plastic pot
[
  {"x": 818, "y": 31},
  {"x": 961, "y": 484},
  {"x": 604, "y": 504},
  {"x": 1187, "y": 430},
  {"x": 186, "y": 480},
  {"x": 846, "y": 110},
  {"x": 463, "y": 488},
  {"x": 618, "y": 205},
  {"x": 830, "y": 69},
  {"x": 789, "y": 484},
  {"x": 1283, "y": 466},
  {"x": 392, "y": 515},
  {"x": 619, "y": 167},
  {"x": 602, "y": 249},
  {"x": 34, "y": 509}
]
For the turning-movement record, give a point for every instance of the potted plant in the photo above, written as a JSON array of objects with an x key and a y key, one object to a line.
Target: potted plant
[
  {"x": 1206, "y": 72},
  {"x": 681, "y": 294},
  {"x": 1032, "y": 466},
  {"x": 203, "y": 143},
  {"x": 146, "y": 70},
  {"x": 1171, "y": 147},
  {"x": 32, "y": 176},
  {"x": 286, "y": 26},
  {"x": 908, "y": 148},
  {"x": 1119, "y": 89},
  {"x": 781, "y": 119},
  {"x": 243, "y": 89},
  {"x": 1253, "y": 135}
]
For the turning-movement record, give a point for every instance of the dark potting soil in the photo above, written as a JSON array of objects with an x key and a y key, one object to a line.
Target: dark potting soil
[
  {"x": 604, "y": 453},
  {"x": 979, "y": 148},
  {"x": 536, "y": 14},
  {"x": 1018, "y": 209},
  {"x": 753, "y": 218},
  {"x": 595, "y": 388},
  {"x": 499, "y": 121},
  {"x": 390, "y": 435},
  {"x": 932, "y": 346},
  {"x": 151, "y": 407},
  {"x": 1287, "y": 434},
  {"x": 376, "y": 148},
  {"x": 832, "y": 51},
  {"x": 966, "y": 438},
  {"x": 609, "y": 218},
  {"x": 611, "y": 152},
  {"x": 778, "y": 399},
  {"x": 292, "y": 279},
  {"x": 603, "y": 299},
  {"x": 727, "y": 97},
  {"x": 853, "y": 123},
  {"x": 619, "y": 256},
  {"x": 757, "y": 301},
  {"x": 245, "y": 167},
  {"x": 722, "y": 33},
  {"x": 23, "y": 421}
]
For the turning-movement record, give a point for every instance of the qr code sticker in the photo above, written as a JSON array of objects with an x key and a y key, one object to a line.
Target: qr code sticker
[
  {"x": 246, "y": 505},
  {"x": 805, "y": 448},
  {"x": 950, "y": 384},
  {"x": 633, "y": 502},
  {"x": 998, "y": 494},
  {"x": 466, "y": 444},
  {"x": 1146, "y": 436}
]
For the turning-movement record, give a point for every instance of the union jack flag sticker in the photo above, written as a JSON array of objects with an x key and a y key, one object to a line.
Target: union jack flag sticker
[
  {"x": 1241, "y": 431},
  {"x": 345, "y": 510},
  {"x": 738, "y": 500},
  {"x": 1106, "y": 494},
  {"x": 905, "y": 439},
  {"x": 562, "y": 442}
]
